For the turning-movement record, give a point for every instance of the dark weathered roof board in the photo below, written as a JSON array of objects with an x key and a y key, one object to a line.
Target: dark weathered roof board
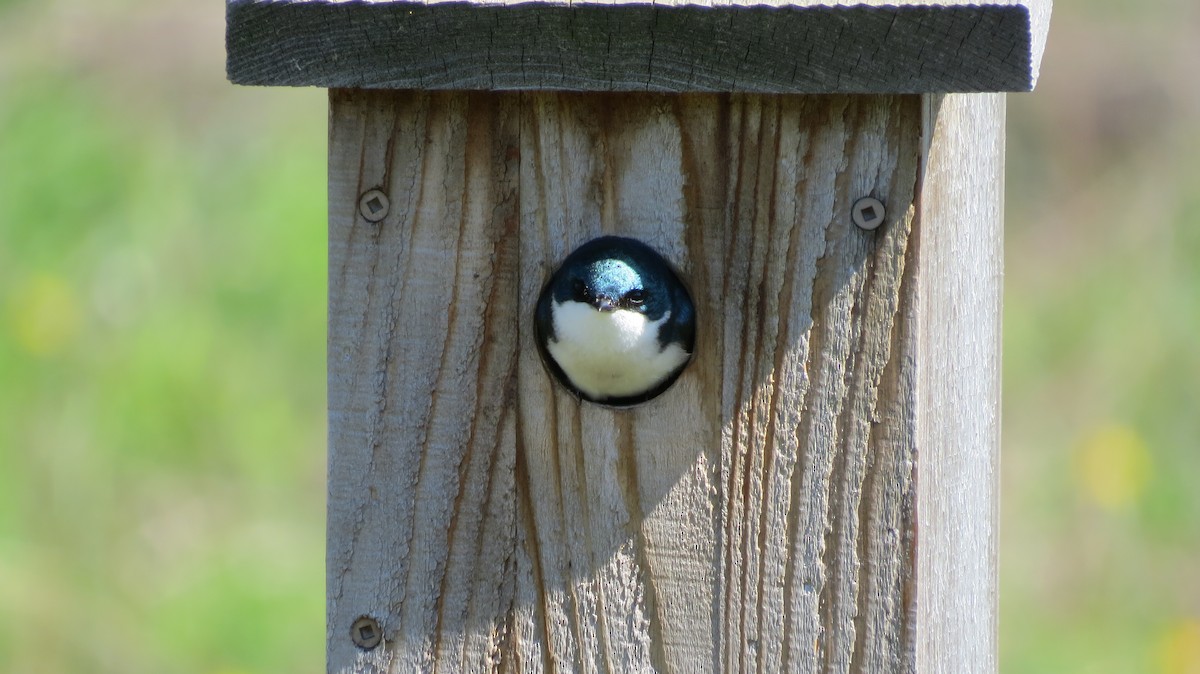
[{"x": 903, "y": 47}]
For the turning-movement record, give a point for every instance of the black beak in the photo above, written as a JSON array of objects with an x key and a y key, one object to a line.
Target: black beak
[{"x": 604, "y": 303}]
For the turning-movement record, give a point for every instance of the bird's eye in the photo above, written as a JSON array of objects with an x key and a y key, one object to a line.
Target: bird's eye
[
  {"x": 579, "y": 291},
  {"x": 635, "y": 296}
]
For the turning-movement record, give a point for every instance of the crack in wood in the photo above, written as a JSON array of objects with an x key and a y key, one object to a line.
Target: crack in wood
[{"x": 759, "y": 516}]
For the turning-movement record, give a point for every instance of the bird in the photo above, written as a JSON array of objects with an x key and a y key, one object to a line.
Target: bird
[{"x": 614, "y": 323}]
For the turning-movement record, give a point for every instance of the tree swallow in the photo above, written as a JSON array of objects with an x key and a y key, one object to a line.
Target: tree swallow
[{"x": 615, "y": 324}]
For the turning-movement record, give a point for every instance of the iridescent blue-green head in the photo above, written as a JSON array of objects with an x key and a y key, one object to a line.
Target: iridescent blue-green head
[{"x": 615, "y": 324}]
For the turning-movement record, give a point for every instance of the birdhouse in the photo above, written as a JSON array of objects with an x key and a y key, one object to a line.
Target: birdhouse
[{"x": 814, "y": 488}]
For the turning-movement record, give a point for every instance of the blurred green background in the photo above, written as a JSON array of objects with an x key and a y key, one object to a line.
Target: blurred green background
[{"x": 162, "y": 373}]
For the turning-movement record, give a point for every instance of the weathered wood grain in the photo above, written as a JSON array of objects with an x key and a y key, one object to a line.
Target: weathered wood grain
[
  {"x": 759, "y": 516},
  {"x": 422, "y": 351},
  {"x": 802, "y": 46},
  {"x": 960, "y": 282}
]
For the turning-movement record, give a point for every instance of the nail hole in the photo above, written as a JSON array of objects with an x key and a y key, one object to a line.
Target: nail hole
[
  {"x": 868, "y": 213},
  {"x": 373, "y": 205},
  {"x": 365, "y": 633}
]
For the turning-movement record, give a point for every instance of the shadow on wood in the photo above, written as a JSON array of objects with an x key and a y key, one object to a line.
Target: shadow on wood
[{"x": 761, "y": 513}]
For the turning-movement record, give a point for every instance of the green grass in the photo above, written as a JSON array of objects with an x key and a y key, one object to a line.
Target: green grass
[
  {"x": 162, "y": 366},
  {"x": 1101, "y": 513}
]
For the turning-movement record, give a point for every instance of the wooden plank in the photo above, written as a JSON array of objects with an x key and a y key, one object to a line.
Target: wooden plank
[
  {"x": 422, "y": 350},
  {"x": 958, "y": 355},
  {"x": 759, "y": 516},
  {"x": 802, "y": 46}
]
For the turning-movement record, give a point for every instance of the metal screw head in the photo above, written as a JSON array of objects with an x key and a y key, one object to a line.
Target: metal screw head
[
  {"x": 365, "y": 633},
  {"x": 869, "y": 213},
  {"x": 373, "y": 205}
]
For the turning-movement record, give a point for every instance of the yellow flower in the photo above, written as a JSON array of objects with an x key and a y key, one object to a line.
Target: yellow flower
[
  {"x": 1112, "y": 466},
  {"x": 44, "y": 314},
  {"x": 1179, "y": 648}
]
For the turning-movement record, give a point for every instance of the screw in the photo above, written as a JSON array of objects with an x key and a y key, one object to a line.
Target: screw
[
  {"x": 365, "y": 633},
  {"x": 373, "y": 205},
  {"x": 869, "y": 213}
]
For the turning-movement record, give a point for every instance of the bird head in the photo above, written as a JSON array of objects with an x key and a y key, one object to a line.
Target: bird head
[{"x": 607, "y": 284}]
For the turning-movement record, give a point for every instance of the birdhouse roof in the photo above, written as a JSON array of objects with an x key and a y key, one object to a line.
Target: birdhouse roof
[{"x": 901, "y": 46}]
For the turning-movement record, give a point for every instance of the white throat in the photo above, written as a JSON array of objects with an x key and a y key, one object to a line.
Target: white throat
[{"x": 611, "y": 353}]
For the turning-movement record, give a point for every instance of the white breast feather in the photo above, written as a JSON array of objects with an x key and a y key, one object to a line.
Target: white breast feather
[{"x": 613, "y": 353}]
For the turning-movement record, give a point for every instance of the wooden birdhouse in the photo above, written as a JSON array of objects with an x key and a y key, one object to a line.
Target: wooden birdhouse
[{"x": 817, "y": 491}]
